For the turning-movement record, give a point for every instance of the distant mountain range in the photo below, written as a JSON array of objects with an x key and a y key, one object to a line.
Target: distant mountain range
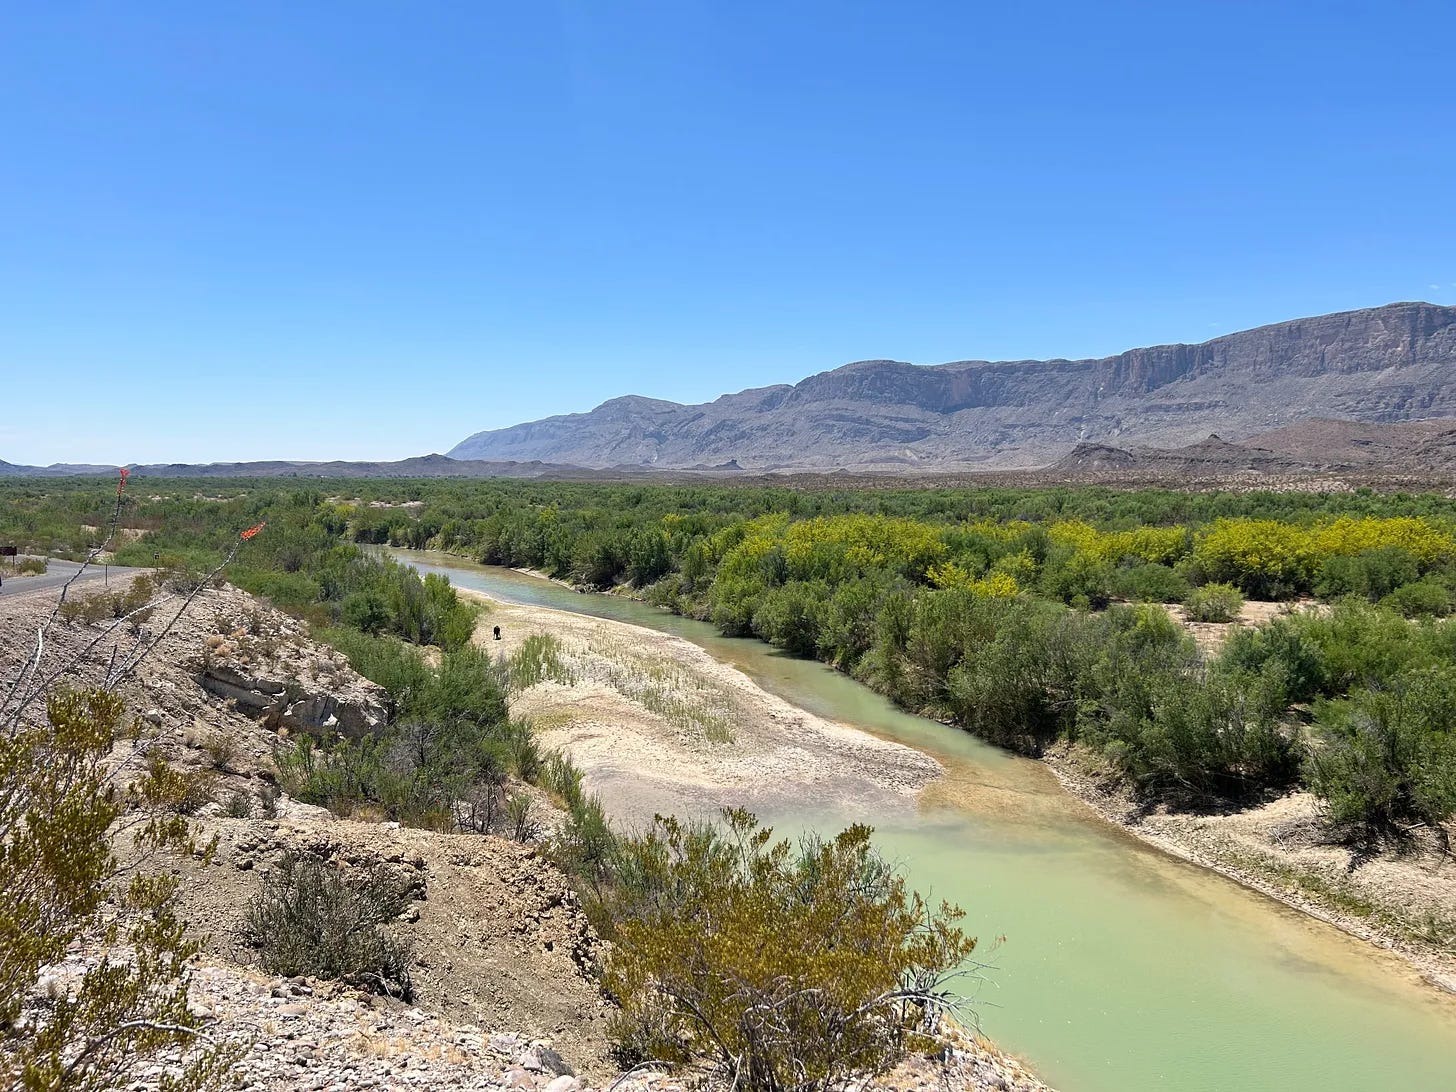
[
  {"x": 422, "y": 466},
  {"x": 1384, "y": 364}
]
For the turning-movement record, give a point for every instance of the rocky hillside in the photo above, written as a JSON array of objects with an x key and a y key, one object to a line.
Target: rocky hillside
[{"x": 1384, "y": 364}]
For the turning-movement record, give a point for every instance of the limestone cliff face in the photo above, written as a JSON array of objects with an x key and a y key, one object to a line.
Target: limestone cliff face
[{"x": 1384, "y": 364}]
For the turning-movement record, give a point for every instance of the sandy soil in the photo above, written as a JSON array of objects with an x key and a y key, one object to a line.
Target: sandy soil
[
  {"x": 1211, "y": 636},
  {"x": 660, "y": 726}
]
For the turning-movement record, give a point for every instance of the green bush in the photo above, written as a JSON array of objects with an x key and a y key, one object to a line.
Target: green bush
[
  {"x": 439, "y": 764},
  {"x": 388, "y": 661},
  {"x": 787, "y": 969},
  {"x": 1149, "y": 583},
  {"x": 1420, "y": 599},
  {"x": 1371, "y": 575},
  {"x": 66, "y": 887},
  {"x": 1213, "y": 603},
  {"x": 310, "y": 920},
  {"x": 789, "y": 616},
  {"x": 1078, "y": 579},
  {"x": 1386, "y": 759}
]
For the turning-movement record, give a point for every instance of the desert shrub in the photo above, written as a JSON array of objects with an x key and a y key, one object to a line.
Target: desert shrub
[
  {"x": 525, "y": 752},
  {"x": 440, "y": 764},
  {"x": 183, "y": 579},
  {"x": 1213, "y": 603},
  {"x": 1078, "y": 579},
  {"x": 465, "y": 687},
  {"x": 130, "y": 602},
  {"x": 788, "y": 968},
  {"x": 1212, "y": 738},
  {"x": 1019, "y": 688},
  {"x": 238, "y": 806},
  {"x": 1265, "y": 558},
  {"x": 1386, "y": 759},
  {"x": 365, "y": 611},
  {"x": 649, "y": 557},
  {"x": 388, "y": 661},
  {"x": 1149, "y": 583},
  {"x": 1372, "y": 574},
  {"x": 1420, "y": 599},
  {"x": 32, "y": 566},
  {"x": 222, "y": 749},
  {"x": 521, "y": 819},
  {"x": 586, "y": 848},
  {"x": 790, "y": 616},
  {"x": 561, "y": 777},
  {"x": 64, "y": 884},
  {"x": 309, "y": 919},
  {"x": 1283, "y": 654},
  {"x": 1142, "y": 698},
  {"x": 1363, "y": 646},
  {"x": 847, "y": 621}
]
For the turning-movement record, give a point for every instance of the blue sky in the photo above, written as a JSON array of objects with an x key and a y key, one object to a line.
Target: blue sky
[{"x": 365, "y": 230}]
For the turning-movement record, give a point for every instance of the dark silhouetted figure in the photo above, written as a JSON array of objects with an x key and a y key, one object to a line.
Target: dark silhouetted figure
[{"x": 497, "y": 633}]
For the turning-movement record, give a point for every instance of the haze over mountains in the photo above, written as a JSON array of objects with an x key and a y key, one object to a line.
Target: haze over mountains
[{"x": 1384, "y": 364}]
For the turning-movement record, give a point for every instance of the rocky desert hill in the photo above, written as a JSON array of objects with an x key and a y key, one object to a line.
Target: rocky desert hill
[{"x": 1380, "y": 365}]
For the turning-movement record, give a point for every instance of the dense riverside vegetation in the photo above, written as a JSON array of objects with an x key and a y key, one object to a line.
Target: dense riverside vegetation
[{"x": 1027, "y": 616}]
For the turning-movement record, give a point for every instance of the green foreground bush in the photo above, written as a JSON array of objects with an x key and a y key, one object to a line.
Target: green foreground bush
[
  {"x": 791, "y": 969},
  {"x": 1386, "y": 763},
  {"x": 64, "y": 885}
]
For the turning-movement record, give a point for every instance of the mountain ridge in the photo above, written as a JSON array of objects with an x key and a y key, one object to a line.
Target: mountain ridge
[
  {"x": 1389, "y": 363},
  {"x": 420, "y": 466}
]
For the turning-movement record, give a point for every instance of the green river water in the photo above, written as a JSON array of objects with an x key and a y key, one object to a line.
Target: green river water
[{"x": 1122, "y": 968}]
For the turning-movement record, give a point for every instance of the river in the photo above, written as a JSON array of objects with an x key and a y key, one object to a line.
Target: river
[{"x": 1122, "y": 968}]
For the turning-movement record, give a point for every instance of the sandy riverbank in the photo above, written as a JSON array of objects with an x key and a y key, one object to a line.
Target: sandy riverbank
[
  {"x": 659, "y": 725},
  {"x": 1403, "y": 902}
]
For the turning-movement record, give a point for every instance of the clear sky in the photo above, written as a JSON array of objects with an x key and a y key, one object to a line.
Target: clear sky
[{"x": 366, "y": 230}]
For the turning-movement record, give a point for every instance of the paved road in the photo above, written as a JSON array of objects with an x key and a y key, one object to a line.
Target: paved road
[{"x": 56, "y": 574}]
